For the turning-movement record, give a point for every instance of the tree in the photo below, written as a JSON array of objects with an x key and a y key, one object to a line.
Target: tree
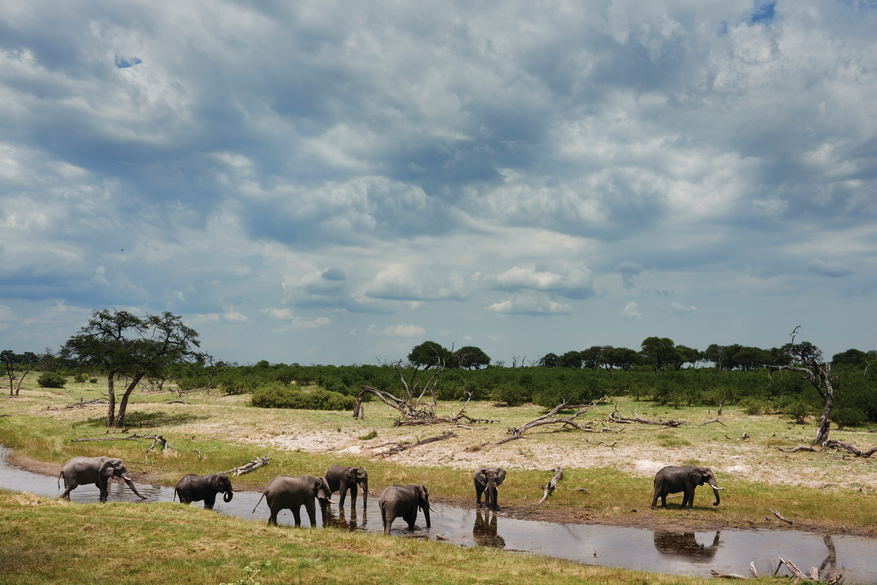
[
  {"x": 594, "y": 356},
  {"x": 717, "y": 354},
  {"x": 808, "y": 360},
  {"x": 470, "y": 357},
  {"x": 620, "y": 357},
  {"x": 853, "y": 357},
  {"x": 549, "y": 360},
  {"x": 430, "y": 354},
  {"x": 11, "y": 363},
  {"x": 659, "y": 352},
  {"x": 571, "y": 359},
  {"x": 687, "y": 355},
  {"x": 132, "y": 347}
]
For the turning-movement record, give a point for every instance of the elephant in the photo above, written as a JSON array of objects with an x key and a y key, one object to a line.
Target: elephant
[
  {"x": 672, "y": 480},
  {"x": 396, "y": 501},
  {"x": 348, "y": 478},
  {"x": 488, "y": 478},
  {"x": 484, "y": 531},
  {"x": 291, "y": 493},
  {"x": 98, "y": 470},
  {"x": 685, "y": 545},
  {"x": 194, "y": 488}
]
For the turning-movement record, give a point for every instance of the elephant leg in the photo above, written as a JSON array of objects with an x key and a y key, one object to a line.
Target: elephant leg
[
  {"x": 384, "y": 521},
  {"x": 410, "y": 518},
  {"x": 296, "y": 512},
  {"x": 312, "y": 515},
  {"x": 209, "y": 500},
  {"x": 102, "y": 487},
  {"x": 353, "y": 494},
  {"x": 478, "y": 491},
  {"x": 69, "y": 486},
  {"x": 272, "y": 520}
]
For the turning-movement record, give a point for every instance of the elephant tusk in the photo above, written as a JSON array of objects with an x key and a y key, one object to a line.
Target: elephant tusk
[
  {"x": 431, "y": 509},
  {"x": 718, "y": 488}
]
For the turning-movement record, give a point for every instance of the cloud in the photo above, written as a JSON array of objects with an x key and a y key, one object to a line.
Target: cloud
[
  {"x": 397, "y": 330},
  {"x": 125, "y": 62},
  {"x": 631, "y": 312},
  {"x": 6, "y": 314},
  {"x": 681, "y": 309},
  {"x": 572, "y": 282},
  {"x": 628, "y": 270},
  {"x": 830, "y": 269},
  {"x": 530, "y": 304},
  {"x": 295, "y": 322},
  {"x": 401, "y": 282}
]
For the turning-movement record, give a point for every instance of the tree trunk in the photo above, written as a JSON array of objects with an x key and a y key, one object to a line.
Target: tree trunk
[
  {"x": 123, "y": 404},
  {"x": 111, "y": 399},
  {"x": 823, "y": 428}
]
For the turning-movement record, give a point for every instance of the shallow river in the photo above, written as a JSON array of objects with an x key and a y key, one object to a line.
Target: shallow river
[{"x": 728, "y": 551}]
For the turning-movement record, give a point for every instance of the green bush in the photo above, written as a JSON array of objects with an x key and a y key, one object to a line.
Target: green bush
[
  {"x": 80, "y": 378},
  {"x": 51, "y": 380},
  {"x": 848, "y": 417},
  {"x": 754, "y": 405},
  {"x": 280, "y": 396},
  {"x": 511, "y": 394},
  {"x": 92, "y": 380}
]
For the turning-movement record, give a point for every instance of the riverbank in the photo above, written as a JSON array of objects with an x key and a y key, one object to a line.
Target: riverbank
[{"x": 607, "y": 475}]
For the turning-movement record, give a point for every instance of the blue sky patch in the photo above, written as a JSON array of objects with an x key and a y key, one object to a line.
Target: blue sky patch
[
  {"x": 123, "y": 63},
  {"x": 763, "y": 13}
]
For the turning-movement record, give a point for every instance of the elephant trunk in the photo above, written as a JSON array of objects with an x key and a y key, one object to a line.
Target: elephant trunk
[
  {"x": 716, "y": 489},
  {"x": 133, "y": 489},
  {"x": 426, "y": 510},
  {"x": 364, "y": 486},
  {"x": 227, "y": 496}
]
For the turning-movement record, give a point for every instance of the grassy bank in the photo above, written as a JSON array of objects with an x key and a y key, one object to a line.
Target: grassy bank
[
  {"x": 213, "y": 433},
  {"x": 50, "y": 541}
]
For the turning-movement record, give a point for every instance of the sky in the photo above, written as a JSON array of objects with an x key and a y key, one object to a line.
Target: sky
[{"x": 336, "y": 182}]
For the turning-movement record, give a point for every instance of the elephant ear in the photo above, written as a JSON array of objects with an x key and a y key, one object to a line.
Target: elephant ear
[
  {"x": 423, "y": 493},
  {"x": 361, "y": 474},
  {"x": 480, "y": 476},
  {"x": 696, "y": 476},
  {"x": 500, "y": 475},
  {"x": 215, "y": 481},
  {"x": 108, "y": 469}
]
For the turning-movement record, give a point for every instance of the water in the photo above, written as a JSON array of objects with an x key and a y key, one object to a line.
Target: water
[{"x": 728, "y": 551}]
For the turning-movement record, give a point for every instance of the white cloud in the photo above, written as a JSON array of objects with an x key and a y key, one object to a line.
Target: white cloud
[
  {"x": 681, "y": 309},
  {"x": 530, "y": 304},
  {"x": 397, "y": 330},
  {"x": 569, "y": 281},
  {"x": 630, "y": 311},
  {"x": 6, "y": 314},
  {"x": 831, "y": 269}
]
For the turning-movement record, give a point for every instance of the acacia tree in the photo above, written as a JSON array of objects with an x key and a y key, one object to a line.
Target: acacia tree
[
  {"x": 132, "y": 347},
  {"x": 11, "y": 363}
]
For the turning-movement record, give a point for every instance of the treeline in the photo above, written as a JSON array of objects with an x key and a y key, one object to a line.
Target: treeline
[{"x": 738, "y": 375}]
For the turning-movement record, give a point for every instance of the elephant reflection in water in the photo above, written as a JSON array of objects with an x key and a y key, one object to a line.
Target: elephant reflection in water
[
  {"x": 685, "y": 545},
  {"x": 484, "y": 531},
  {"x": 341, "y": 521}
]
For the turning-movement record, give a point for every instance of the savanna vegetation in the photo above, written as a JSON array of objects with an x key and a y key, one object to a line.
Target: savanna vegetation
[{"x": 735, "y": 411}]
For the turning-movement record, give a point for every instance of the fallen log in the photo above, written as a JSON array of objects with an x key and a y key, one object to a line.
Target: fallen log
[
  {"x": 795, "y": 571},
  {"x": 253, "y": 465},
  {"x": 405, "y": 446},
  {"x": 780, "y": 516},
  {"x": 552, "y": 418},
  {"x": 726, "y": 575},
  {"x": 617, "y": 417},
  {"x": 833, "y": 444},
  {"x": 551, "y": 485},
  {"x": 83, "y": 403},
  {"x": 796, "y": 449},
  {"x": 715, "y": 420}
]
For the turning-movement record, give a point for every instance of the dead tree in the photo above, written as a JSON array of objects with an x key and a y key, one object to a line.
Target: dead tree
[
  {"x": 454, "y": 419},
  {"x": 412, "y": 405},
  {"x": 11, "y": 373},
  {"x": 551, "y": 485},
  {"x": 552, "y": 418},
  {"x": 399, "y": 447},
  {"x": 818, "y": 372},
  {"x": 256, "y": 463},
  {"x": 617, "y": 417}
]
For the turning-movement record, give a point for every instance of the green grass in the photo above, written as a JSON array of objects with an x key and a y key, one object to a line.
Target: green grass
[{"x": 50, "y": 541}]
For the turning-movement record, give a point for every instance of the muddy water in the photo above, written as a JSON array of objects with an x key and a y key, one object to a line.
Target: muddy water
[{"x": 728, "y": 551}]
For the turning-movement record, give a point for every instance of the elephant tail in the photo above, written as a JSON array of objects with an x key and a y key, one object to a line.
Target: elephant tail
[
  {"x": 257, "y": 503},
  {"x": 174, "y": 499},
  {"x": 60, "y": 475}
]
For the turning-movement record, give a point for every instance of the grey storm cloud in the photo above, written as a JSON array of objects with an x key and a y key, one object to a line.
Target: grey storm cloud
[{"x": 459, "y": 168}]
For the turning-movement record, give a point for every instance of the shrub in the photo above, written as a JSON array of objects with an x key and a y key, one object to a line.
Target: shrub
[
  {"x": 754, "y": 405},
  {"x": 280, "y": 396},
  {"x": 511, "y": 394},
  {"x": 848, "y": 417},
  {"x": 80, "y": 378},
  {"x": 51, "y": 380},
  {"x": 92, "y": 380}
]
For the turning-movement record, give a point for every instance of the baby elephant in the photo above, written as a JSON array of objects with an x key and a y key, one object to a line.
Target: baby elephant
[
  {"x": 194, "y": 488},
  {"x": 672, "y": 480},
  {"x": 291, "y": 493},
  {"x": 97, "y": 470},
  {"x": 488, "y": 478},
  {"x": 396, "y": 501},
  {"x": 348, "y": 478}
]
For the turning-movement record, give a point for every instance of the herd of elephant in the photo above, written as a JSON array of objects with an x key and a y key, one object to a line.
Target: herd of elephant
[{"x": 283, "y": 492}]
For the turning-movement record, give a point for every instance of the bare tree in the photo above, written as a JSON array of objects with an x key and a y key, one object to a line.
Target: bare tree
[
  {"x": 818, "y": 372},
  {"x": 9, "y": 359}
]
